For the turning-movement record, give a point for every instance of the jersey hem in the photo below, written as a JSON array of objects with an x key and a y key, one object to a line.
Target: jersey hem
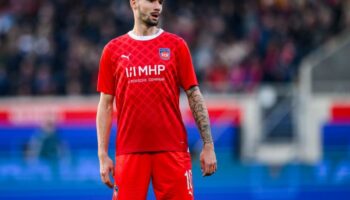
[
  {"x": 150, "y": 151},
  {"x": 105, "y": 92}
]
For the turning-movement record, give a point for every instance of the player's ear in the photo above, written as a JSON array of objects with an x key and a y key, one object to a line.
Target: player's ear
[{"x": 133, "y": 4}]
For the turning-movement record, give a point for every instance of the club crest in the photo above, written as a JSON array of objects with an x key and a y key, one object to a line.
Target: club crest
[{"x": 164, "y": 53}]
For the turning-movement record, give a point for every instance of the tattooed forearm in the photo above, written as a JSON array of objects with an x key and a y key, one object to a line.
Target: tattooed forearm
[{"x": 200, "y": 113}]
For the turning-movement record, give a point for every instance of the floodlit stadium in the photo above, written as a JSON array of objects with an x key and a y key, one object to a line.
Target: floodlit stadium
[{"x": 275, "y": 77}]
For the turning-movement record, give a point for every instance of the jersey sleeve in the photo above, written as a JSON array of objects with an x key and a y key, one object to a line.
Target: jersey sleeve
[
  {"x": 186, "y": 71},
  {"x": 106, "y": 78}
]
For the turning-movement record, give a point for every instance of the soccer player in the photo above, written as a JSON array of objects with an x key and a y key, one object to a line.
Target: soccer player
[{"x": 143, "y": 72}]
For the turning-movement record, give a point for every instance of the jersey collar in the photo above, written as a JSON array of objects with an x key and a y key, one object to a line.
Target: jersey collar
[{"x": 145, "y": 38}]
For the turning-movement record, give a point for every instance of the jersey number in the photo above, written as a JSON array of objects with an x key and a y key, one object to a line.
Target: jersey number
[{"x": 188, "y": 175}]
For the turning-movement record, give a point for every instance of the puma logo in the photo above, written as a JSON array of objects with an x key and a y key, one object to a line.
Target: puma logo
[{"x": 125, "y": 56}]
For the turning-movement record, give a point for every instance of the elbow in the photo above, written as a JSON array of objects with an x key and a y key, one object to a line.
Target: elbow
[
  {"x": 106, "y": 107},
  {"x": 109, "y": 108}
]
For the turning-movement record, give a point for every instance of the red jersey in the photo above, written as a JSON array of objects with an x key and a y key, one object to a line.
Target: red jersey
[{"x": 145, "y": 74}]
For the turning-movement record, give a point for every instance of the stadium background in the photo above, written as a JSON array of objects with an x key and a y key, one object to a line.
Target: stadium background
[{"x": 274, "y": 74}]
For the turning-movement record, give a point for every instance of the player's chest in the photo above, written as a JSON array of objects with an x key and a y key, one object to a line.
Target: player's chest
[{"x": 145, "y": 61}]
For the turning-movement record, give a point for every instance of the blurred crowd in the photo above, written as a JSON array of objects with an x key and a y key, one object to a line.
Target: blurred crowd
[{"x": 53, "y": 47}]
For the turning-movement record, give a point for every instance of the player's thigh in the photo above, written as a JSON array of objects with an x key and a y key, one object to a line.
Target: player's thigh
[
  {"x": 172, "y": 176},
  {"x": 132, "y": 176}
]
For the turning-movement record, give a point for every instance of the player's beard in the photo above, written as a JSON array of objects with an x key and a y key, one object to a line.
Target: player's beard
[{"x": 146, "y": 19}]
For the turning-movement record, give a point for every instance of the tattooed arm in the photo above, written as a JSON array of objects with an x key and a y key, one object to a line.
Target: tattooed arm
[{"x": 200, "y": 114}]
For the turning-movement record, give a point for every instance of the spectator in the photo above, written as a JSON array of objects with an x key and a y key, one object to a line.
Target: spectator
[
  {"x": 46, "y": 148},
  {"x": 46, "y": 144}
]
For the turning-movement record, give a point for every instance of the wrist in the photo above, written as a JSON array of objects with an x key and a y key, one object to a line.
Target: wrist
[
  {"x": 208, "y": 145},
  {"x": 102, "y": 154}
]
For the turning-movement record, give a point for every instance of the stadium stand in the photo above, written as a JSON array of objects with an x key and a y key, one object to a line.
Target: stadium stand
[
  {"x": 263, "y": 89},
  {"x": 53, "y": 47}
]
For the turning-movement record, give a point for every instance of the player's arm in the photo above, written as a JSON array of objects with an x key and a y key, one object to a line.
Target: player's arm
[
  {"x": 104, "y": 123},
  {"x": 201, "y": 116}
]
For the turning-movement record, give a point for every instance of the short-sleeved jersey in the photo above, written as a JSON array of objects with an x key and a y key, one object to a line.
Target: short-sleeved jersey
[{"x": 145, "y": 74}]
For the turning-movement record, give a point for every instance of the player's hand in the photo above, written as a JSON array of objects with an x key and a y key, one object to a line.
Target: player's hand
[
  {"x": 208, "y": 159},
  {"x": 106, "y": 169}
]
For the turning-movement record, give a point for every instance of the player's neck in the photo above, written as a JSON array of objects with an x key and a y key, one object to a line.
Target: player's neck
[{"x": 143, "y": 30}]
